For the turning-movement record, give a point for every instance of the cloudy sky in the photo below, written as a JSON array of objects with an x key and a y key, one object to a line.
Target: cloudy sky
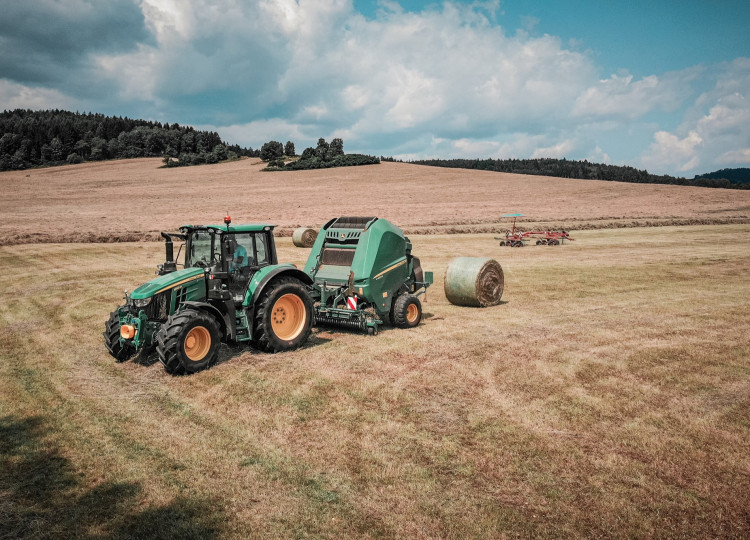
[{"x": 657, "y": 84}]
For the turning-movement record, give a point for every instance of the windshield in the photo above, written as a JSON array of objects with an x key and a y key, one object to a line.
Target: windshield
[{"x": 203, "y": 250}]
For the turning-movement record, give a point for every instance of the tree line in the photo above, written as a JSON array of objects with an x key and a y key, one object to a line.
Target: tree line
[
  {"x": 740, "y": 175},
  {"x": 324, "y": 156},
  {"x": 54, "y": 137},
  {"x": 585, "y": 170}
]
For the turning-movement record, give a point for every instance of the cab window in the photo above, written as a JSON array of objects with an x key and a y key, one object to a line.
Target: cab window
[
  {"x": 240, "y": 250},
  {"x": 261, "y": 249}
]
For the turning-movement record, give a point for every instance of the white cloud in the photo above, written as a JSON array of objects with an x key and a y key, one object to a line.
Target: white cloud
[
  {"x": 599, "y": 156},
  {"x": 735, "y": 157},
  {"x": 559, "y": 150},
  {"x": 716, "y": 130},
  {"x": 19, "y": 96},
  {"x": 444, "y": 82},
  {"x": 440, "y": 71},
  {"x": 621, "y": 96},
  {"x": 669, "y": 150}
]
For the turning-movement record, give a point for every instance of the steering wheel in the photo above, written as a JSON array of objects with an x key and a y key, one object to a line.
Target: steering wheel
[{"x": 201, "y": 263}]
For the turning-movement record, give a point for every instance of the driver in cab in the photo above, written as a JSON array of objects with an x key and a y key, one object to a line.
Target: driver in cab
[{"x": 239, "y": 255}]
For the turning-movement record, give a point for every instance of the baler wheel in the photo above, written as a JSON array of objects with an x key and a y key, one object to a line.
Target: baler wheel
[
  {"x": 112, "y": 339},
  {"x": 283, "y": 319},
  {"x": 188, "y": 342},
  {"x": 407, "y": 311}
]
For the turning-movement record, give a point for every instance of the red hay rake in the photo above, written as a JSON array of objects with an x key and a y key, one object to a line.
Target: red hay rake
[{"x": 514, "y": 238}]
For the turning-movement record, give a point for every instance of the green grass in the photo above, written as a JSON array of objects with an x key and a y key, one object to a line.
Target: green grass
[{"x": 607, "y": 396}]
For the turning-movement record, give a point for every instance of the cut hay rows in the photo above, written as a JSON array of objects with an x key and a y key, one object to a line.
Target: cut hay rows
[{"x": 607, "y": 396}]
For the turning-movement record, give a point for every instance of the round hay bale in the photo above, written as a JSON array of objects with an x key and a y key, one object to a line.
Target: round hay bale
[
  {"x": 304, "y": 237},
  {"x": 474, "y": 281}
]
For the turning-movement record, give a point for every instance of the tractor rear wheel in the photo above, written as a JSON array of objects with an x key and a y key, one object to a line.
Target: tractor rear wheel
[
  {"x": 119, "y": 351},
  {"x": 188, "y": 342},
  {"x": 283, "y": 316},
  {"x": 407, "y": 311}
]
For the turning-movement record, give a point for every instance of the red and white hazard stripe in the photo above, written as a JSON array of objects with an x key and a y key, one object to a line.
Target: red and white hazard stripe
[{"x": 351, "y": 302}]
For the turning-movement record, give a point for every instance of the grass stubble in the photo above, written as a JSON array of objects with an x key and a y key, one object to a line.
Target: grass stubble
[{"x": 607, "y": 396}]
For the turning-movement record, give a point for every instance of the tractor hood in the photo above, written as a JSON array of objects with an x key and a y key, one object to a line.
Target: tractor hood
[{"x": 167, "y": 281}]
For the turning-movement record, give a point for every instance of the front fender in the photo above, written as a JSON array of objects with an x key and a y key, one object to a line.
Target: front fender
[{"x": 224, "y": 319}]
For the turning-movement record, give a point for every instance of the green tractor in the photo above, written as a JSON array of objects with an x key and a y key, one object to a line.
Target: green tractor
[{"x": 229, "y": 289}]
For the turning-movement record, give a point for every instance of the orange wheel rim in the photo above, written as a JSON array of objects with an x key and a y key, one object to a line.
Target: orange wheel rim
[
  {"x": 288, "y": 317},
  {"x": 197, "y": 343},
  {"x": 412, "y": 312}
]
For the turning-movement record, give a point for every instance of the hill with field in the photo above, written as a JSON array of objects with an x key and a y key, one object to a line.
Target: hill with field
[{"x": 134, "y": 199}]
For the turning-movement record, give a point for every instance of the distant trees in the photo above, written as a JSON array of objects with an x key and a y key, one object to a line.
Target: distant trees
[
  {"x": 36, "y": 138},
  {"x": 585, "y": 170},
  {"x": 289, "y": 149},
  {"x": 321, "y": 151},
  {"x": 324, "y": 155},
  {"x": 328, "y": 151},
  {"x": 336, "y": 148},
  {"x": 271, "y": 150},
  {"x": 740, "y": 175},
  {"x": 343, "y": 160}
]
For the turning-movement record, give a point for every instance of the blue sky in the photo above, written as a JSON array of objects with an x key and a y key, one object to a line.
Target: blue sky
[{"x": 657, "y": 85}]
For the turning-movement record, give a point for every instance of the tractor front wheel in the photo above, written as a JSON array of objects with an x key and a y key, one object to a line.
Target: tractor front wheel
[
  {"x": 188, "y": 342},
  {"x": 119, "y": 351},
  {"x": 283, "y": 317},
  {"x": 407, "y": 311}
]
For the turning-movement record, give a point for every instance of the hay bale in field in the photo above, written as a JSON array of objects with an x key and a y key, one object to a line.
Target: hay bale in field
[
  {"x": 304, "y": 237},
  {"x": 474, "y": 281}
]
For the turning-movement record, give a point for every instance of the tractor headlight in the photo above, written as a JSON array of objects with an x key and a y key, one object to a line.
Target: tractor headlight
[{"x": 142, "y": 302}]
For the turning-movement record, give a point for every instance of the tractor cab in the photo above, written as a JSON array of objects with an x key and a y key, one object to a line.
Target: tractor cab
[{"x": 229, "y": 255}]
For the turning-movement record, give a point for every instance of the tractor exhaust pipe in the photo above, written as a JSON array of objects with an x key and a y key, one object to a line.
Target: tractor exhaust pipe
[
  {"x": 169, "y": 265},
  {"x": 170, "y": 247}
]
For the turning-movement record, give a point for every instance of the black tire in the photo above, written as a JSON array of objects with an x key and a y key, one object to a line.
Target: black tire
[
  {"x": 407, "y": 311},
  {"x": 283, "y": 316},
  {"x": 188, "y": 342},
  {"x": 112, "y": 339}
]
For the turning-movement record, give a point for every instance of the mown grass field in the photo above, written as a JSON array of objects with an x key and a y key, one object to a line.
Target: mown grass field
[{"x": 607, "y": 396}]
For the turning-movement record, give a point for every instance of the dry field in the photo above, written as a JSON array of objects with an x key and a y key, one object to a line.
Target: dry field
[
  {"x": 134, "y": 199},
  {"x": 608, "y": 396}
]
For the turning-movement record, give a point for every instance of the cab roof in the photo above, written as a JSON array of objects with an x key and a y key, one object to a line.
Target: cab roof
[{"x": 246, "y": 227}]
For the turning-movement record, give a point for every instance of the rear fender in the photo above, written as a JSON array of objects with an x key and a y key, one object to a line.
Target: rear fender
[{"x": 267, "y": 274}]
